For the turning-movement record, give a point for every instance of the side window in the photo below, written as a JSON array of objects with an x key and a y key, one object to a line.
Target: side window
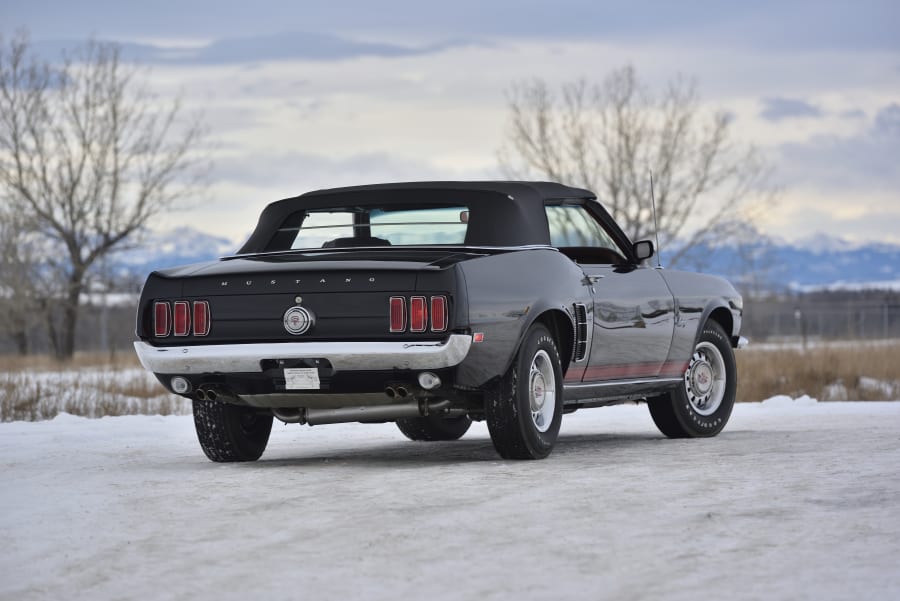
[{"x": 572, "y": 227}]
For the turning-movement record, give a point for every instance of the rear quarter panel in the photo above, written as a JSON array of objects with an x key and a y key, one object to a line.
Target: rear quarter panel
[{"x": 506, "y": 294}]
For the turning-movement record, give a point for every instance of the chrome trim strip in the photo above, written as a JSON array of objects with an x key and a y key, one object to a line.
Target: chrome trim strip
[
  {"x": 344, "y": 356},
  {"x": 344, "y": 249},
  {"x": 604, "y": 384}
]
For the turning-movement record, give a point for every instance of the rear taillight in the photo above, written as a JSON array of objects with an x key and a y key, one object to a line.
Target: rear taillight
[
  {"x": 175, "y": 318},
  {"x": 201, "y": 318},
  {"x": 398, "y": 314},
  {"x": 161, "y": 319},
  {"x": 182, "y": 319},
  {"x": 418, "y": 314},
  {"x": 438, "y": 313}
]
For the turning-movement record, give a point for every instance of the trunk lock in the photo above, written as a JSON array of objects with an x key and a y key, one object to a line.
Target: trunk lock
[{"x": 298, "y": 320}]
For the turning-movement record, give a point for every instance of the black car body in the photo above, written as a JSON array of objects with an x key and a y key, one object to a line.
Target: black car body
[{"x": 419, "y": 302}]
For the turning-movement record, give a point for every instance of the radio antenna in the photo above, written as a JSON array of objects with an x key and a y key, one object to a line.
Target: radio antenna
[{"x": 655, "y": 222}]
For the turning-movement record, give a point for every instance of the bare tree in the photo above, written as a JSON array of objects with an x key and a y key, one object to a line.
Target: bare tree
[
  {"x": 607, "y": 137},
  {"x": 90, "y": 156},
  {"x": 18, "y": 273}
]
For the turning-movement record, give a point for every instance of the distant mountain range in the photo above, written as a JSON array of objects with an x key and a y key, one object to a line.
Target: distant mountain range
[
  {"x": 180, "y": 246},
  {"x": 815, "y": 263}
]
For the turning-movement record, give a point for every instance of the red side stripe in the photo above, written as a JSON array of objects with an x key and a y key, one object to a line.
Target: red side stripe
[{"x": 600, "y": 373}]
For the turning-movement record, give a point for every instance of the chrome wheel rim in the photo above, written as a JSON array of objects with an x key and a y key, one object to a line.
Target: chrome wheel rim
[
  {"x": 704, "y": 380},
  {"x": 541, "y": 391}
]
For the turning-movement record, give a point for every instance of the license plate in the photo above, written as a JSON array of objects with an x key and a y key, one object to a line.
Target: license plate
[{"x": 301, "y": 378}]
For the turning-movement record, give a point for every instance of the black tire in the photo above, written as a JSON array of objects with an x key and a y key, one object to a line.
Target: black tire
[
  {"x": 231, "y": 432},
  {"x": 434, "y": 427},
  {"x": 508, "y": 409},
  {"x": 682, "y": 413}
]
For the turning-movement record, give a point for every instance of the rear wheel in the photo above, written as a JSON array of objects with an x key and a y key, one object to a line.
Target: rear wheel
[
  {"x": 231, "y": 432},
  {"x": 525, "y": 410},
  {"x": 702, "y": 404},
  {"x": 434, "y": 427}
]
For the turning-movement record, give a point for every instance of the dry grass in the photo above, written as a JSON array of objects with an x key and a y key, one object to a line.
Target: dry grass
[
  {"x": 121, "y": 360},
  {"x": 37, "y": 388},
  {"x": 838, "y": 372}
]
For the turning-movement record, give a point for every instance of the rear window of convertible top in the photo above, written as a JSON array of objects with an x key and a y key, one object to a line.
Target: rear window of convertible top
[{"x": 371, "y": 226}]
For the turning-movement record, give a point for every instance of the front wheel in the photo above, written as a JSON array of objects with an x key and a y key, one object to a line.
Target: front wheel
[
  {"x": 231, "y": 432},
  {"x": 702, "y": 403},
  {"x": 524, "y": 412}
]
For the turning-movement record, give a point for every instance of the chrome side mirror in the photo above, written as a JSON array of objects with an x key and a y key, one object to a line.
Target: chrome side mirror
[{"x": 643, "y": 250}]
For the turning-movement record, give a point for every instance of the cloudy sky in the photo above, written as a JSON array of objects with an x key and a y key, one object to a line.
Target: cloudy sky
[{"x": 302, "y": 95}]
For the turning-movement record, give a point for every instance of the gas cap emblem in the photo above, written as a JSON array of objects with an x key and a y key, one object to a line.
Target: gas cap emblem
[{"x": 297, "y": 320}]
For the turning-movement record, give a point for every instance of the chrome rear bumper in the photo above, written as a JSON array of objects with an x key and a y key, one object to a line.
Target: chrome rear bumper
[{"x": 344, "y": 356}]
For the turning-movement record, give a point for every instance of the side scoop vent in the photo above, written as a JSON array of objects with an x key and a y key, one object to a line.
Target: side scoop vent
[{"x": 581, "y": 331}]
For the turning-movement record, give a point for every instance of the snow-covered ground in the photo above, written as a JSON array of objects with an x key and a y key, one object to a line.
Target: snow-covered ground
[{"x": 795, "y": 500}]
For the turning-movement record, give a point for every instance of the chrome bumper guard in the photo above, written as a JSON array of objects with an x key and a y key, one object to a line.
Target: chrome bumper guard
[{"x": 344, "y": 356}]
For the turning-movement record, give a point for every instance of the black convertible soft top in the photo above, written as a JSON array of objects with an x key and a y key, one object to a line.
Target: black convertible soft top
[{"x": 503, "y": 213}]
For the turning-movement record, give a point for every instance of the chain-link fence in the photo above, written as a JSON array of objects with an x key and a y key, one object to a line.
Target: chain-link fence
[{"x": 823, "y": 317}]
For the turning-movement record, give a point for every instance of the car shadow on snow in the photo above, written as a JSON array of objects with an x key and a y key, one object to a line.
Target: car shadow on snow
[
  {"x": 410, "y": 454},
  {"x": 382, "y": 454}
]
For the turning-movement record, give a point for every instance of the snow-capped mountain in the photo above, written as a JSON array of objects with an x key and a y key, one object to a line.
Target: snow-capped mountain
[
  {"x": 180, "y": 246},
  {"x": 821, "y": 261}
]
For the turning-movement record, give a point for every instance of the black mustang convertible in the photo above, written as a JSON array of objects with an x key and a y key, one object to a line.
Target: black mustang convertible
[{"x": 431, "y": 305}]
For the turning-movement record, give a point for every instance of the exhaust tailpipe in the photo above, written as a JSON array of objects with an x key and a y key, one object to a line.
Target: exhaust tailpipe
[
  {"x": 390, "y": 392},
  {"x": 374, "y": 413},
  {"x": 402, "y": 392},
  {"x": 214, "y": 393}
]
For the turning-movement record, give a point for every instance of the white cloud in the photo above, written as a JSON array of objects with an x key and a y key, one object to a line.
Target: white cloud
[
  {"x": 864, "y": 161},
  {"x": 778, "y": 109},
  {"x": 763, "y": 25},
  {"x": 282, "y": 127},
  {"x": 242, "y": 188},
  {"x": 246, "y": 49}
]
